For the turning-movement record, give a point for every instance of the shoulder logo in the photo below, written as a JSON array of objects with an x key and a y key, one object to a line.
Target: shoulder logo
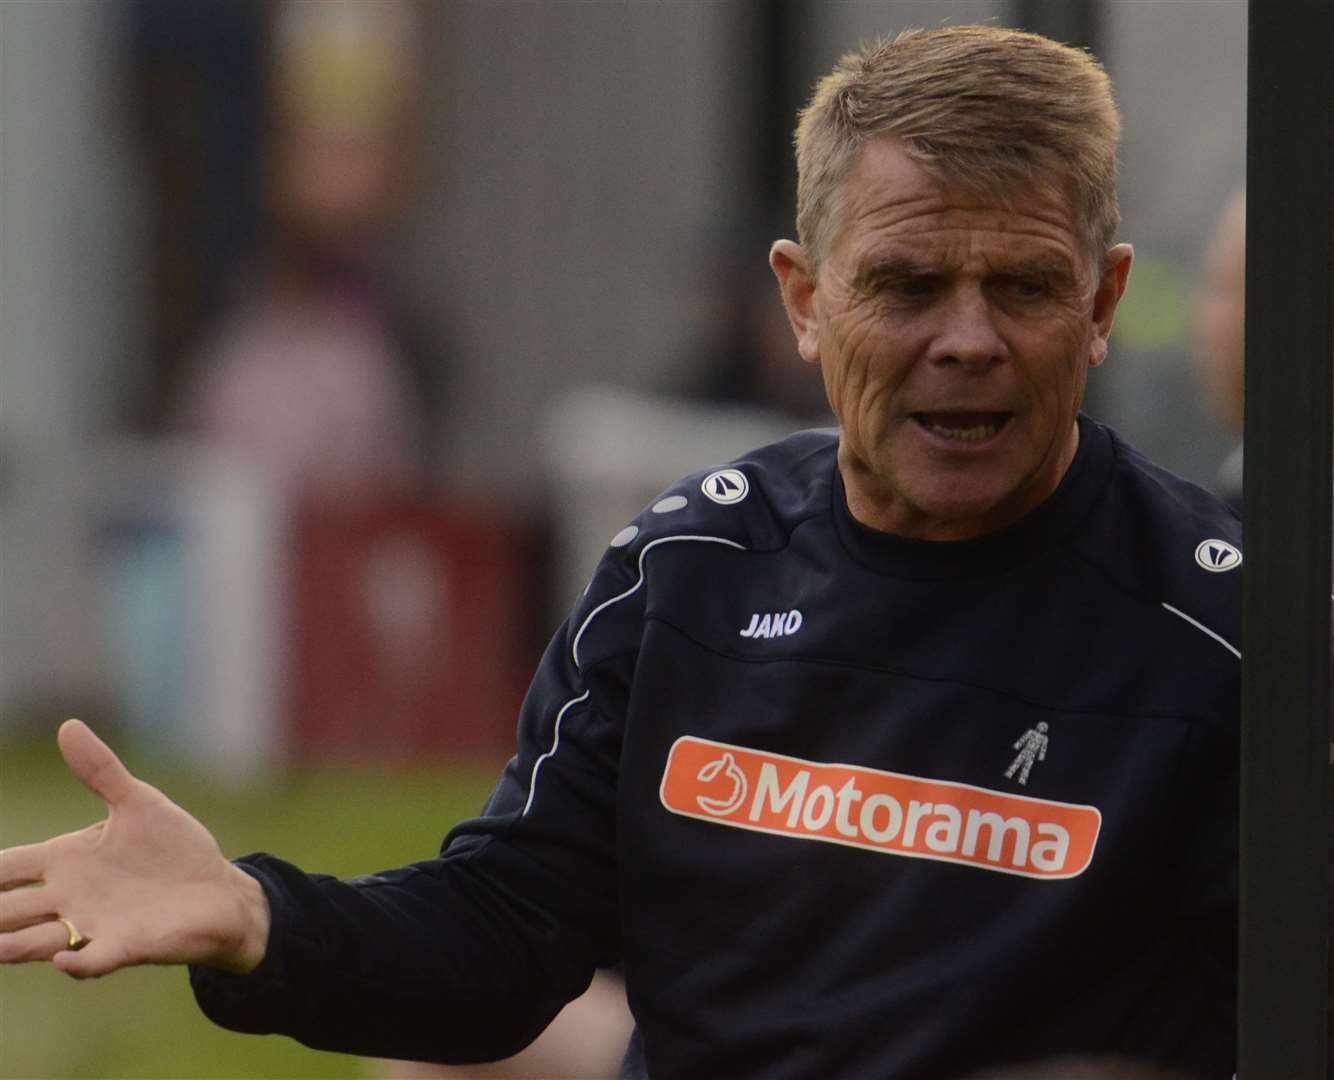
[
  {"x": 726, "y": 486},
  {"x": 1216, "y": 556}
]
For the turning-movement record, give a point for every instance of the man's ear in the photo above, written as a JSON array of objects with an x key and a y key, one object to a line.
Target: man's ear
[
  {"x": 1110, "y": 288},
  {"x": 797, "y": 285}
]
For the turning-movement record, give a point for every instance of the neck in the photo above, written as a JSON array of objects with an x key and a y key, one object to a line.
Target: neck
[{"x": 876, "y": 502}]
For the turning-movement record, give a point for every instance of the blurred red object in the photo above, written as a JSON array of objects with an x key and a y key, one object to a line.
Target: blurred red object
[{"x": 411, "y": 632}]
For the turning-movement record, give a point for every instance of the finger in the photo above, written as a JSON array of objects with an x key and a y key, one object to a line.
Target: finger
[
  {"x": 40, "y": 942},
  {"x": 91, "y": 760},
  {"x": 24, "y": 907},
  {"x": 94, "y": 959},
  {"x": 21, "y": 865}
]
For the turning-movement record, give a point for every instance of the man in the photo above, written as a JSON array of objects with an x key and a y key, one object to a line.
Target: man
[
  {"x": 767, "y": 762},
  {"x": 1220, "y": 337}
]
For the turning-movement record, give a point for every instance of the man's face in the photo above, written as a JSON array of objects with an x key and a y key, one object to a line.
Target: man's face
[{"x": 954, "y": 335}]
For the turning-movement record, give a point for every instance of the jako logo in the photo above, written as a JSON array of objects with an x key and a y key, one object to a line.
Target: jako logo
[
  {"x": 778, "y": 624},
  {"x": 1217, "y": 556},
  {"x": 884, "y": 812}
]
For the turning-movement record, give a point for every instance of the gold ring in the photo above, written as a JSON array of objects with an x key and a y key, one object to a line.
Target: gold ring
[{"x": 76, "y": 940}]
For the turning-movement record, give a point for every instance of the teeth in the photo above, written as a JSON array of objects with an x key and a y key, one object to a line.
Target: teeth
[{"x": 968, "y": 434}]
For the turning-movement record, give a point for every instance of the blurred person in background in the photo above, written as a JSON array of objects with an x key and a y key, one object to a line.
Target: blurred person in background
[
  {"x": 969, "y": 568},
  {"x": 286, "y": 544},
  {"x": 309, "y": 373},
  {"x": 308, "y": 369},
  {"x": 1220, "y": 337}
]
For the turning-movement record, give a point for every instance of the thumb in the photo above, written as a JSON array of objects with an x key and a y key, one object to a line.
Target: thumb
[{"x": 91, "y": 760}]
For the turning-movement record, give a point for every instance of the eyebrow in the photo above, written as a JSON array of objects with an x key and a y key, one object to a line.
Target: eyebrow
[
  {"x": 899, "y": 267},
  {"x": 890, "y": 267},
  {"x": 1040, "y": 267}
]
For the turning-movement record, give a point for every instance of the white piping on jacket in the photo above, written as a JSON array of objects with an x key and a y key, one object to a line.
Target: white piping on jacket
[
  {"x": 532, "y": 780},
  {"x": 574, "y": 649},
  {"x": 1200, "y": 626}
]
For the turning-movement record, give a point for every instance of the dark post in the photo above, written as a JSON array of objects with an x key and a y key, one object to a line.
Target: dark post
[
  {"x": 783, "y": 80},
  {"x": 1071, "y": 22},
  {"x": 1285, "y": 768}
]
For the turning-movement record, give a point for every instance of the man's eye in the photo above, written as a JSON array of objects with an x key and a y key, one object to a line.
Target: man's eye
[
  {"x": 1023, "y": 288},
  {"x": 914, "y": 288}
]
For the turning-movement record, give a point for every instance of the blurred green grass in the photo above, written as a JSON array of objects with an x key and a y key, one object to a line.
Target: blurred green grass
[{"x": 143, "y": 1023}]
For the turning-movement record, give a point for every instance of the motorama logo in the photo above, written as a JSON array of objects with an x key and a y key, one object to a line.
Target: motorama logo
[{"x": 883, "y": 812}]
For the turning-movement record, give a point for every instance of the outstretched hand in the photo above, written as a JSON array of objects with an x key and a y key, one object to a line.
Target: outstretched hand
[{"x": 148, "y": 885}]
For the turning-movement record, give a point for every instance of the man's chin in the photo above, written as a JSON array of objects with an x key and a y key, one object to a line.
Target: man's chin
[{"x": 966, "y": 511}]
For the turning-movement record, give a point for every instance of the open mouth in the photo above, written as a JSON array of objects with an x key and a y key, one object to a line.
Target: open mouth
[{"x": 965, "y": 427}]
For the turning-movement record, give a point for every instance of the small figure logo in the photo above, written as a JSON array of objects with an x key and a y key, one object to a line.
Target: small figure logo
[
  {"x": 1032, "y": 746},
  {"x": 726, "y": 486},
  {"x": 722, "y": 807},
  {"x": 1217, "y": 556}
]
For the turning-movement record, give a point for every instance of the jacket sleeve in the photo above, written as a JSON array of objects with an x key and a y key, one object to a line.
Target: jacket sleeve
[{"x": 468, "y": 956}]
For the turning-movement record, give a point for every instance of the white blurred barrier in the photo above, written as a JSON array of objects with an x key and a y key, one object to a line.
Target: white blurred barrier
[
  {"x": 609, "y": 451},
  {"x": 189, "y": 550}
]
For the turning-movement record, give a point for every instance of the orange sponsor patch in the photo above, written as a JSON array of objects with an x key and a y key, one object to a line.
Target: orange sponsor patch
[{"x": 890, "y": 813}]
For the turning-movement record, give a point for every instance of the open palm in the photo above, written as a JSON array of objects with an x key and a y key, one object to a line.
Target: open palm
[{"x": 148, "y": 885}]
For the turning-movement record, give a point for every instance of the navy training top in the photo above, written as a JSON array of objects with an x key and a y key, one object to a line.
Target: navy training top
[{"x": 843, "y": 804}]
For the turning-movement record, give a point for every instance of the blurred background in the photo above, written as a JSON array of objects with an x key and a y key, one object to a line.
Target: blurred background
[{"x": 337, "y": 338}]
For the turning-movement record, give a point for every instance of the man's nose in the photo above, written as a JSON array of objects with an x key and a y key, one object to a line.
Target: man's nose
[{"x": 968, "y": 335}]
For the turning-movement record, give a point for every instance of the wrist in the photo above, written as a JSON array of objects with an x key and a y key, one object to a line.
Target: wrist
[{"x": 254, "y": 921}]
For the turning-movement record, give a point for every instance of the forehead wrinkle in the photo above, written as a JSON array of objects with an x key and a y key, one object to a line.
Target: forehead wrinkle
[
  {"x": 1005, "y": 231},
  {"x": 888, "y": 213},
  {"x": 933, "y": 219},
  {"x": 884, "y": 203},
  {"x": 885, "y": 191}
]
